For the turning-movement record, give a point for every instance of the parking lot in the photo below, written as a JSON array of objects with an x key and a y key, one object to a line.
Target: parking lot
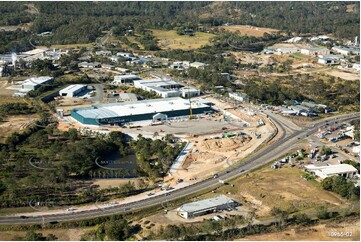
[{"x": 194, "y": 127}]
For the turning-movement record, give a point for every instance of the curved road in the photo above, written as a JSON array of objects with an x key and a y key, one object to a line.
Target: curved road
[{"x": 261, "y": 158}]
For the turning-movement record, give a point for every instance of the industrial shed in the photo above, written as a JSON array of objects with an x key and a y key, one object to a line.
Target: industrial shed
[{"x": 35, "y": 82}]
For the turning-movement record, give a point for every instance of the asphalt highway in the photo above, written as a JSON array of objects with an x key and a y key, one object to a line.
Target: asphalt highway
[{"x": 262, "y": 157}]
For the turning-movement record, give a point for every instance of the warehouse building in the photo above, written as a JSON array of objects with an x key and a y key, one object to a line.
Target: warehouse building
[
  {"x": 206, "y": 206},
  {"x": 286, "y": 50},
  {"x": 166, "y": 88},
  {"x": 188, "y": 92},
  {"x": 315, "y": 51},
  {"x": 329, "y": 59},
  {"x": 346, "y": 50},
  {"x": 34, "y": 83},
  {"x": 120, "y": 113},
  {"x": 125, "y": 80},
  {"x": 72, "y": 90}
]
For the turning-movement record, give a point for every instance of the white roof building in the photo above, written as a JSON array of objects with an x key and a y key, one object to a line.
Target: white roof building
[
  {"x": 346, "y": 50},
  {"x": 125, "y": 54},
  {"x": 103, "y": 52},
  {"x": 329, "y": 59},
  {"x": 344, "y": 170},
  {"x": 197, "y": 65},
  {"x": 187, "y": 92},
  {"x": 287, "y": 50},
  {"x": 34, "y": 83},
  {"x": 315, "y": 51},
  {"x": 72, "y": 90},
  {"x": 138, "y": 111},
  {"x": 125, "y": 79},
  {"x": 205, "y": 206},
  {"x": 294, "y": 40},
  {"x": 239, "y": 96},
  {"x": 163, "y": 87},
  {"x": 356, "y": 149}
]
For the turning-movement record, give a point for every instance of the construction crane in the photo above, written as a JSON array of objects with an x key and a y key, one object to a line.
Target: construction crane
[{"x": 190, "y": 103}]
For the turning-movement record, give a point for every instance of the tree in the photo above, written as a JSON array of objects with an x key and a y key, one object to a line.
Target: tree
[
  {"x": 117, "y": 230},
  {"x": 155, "y": 135},
  {"x": 341, "y": 186},
  {"x": 72, "y": 134},
  {"x": 326, "y": 150},
  {"x": 301, "y": 219},
  {"x": 31, "y": 235},
  {"x": 280, "y": 214},
  {"x": 322, "y": 213}
]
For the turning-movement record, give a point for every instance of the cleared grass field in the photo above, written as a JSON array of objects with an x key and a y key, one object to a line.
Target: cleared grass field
[
  {"x": 285, "y": 188},
  {"x": 249, "y": 30},
  {"x": 171, "y": 40},
  {"x": 4, "y": 100}
]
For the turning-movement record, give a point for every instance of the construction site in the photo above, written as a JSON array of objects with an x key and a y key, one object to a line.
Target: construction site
[{"x": 215, "y": 139}]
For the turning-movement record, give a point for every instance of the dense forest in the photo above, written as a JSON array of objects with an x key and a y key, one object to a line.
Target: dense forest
[
  {"x": 43, "y": 163},
  {"x": 84, "y": 22}
]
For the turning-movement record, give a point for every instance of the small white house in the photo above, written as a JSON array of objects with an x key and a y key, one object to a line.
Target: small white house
[
  {"x": 198, "y": 65},
  {"x": 103, "y": 52}
]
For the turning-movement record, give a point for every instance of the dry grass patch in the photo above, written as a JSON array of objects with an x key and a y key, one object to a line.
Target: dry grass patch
[
  {"x": 319, "y": 232},
  {"x": 249, "y": 30},
  {"x": 171, "y": 40},
  {"x": 285, "y": 188}
]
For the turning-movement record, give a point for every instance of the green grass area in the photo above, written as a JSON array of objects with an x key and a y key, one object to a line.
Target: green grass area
[
  {"x": 171, "y": 40},
  {"x": 298, "y": 55},
  {"x": 8, "y": 211}
]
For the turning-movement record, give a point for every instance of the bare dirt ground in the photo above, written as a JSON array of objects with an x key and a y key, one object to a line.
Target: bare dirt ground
[
  {"x": 16, "y": 123},
  {"x": 73, "y": 102},
  {"x": 212, "y": 155},
  {"x": 319, "y": 232},
  {"x": 110, "y": 183},
  {"x": 3, "y": 87},
  {"x": 249, "y": 30},
  {"x": 343, "y": 75}
]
